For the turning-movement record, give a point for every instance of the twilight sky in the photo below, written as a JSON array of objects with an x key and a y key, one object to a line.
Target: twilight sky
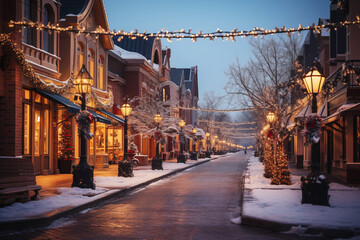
[{"x": 212, "y": 58}]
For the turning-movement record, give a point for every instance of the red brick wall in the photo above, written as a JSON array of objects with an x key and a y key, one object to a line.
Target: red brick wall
[{"x": 11, "y": 100}]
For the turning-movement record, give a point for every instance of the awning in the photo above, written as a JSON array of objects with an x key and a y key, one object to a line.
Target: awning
[
  {"x": 200, "y": 133},
  {"x": 306, "y": 111},
  {"x": 100, "y": 118},
  {"x": 113, "y": 116},
  {"x": 344, "y": 108},
  {"x": 72, "y": 107}
]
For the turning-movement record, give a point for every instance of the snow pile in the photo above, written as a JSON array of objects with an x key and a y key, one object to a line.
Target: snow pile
[{"x": 282, "y": 203}]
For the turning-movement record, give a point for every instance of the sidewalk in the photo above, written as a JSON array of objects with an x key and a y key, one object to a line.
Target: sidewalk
[
  {"x": 278, "y": 207},
  {"x": 57, "y": 199}
]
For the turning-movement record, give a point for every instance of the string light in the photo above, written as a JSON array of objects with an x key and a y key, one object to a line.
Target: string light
[
  {"x": 216, "y": 110},
  {"x": 169, "y": 35}
]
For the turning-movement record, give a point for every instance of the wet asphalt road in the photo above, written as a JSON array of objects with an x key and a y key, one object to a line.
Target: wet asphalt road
[{"x": 196, "y": 204}]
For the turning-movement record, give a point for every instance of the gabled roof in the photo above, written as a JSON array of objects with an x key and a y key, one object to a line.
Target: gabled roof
[
  {"x": 75, "y": 12},
  {"x": 139, "y": 45},
  {"x": 176, "y": 75},
  {"x": 72, "y": 7}
]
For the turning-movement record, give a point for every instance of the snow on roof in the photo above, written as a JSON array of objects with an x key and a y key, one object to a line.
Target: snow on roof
[{"x": 126, "y": 54}]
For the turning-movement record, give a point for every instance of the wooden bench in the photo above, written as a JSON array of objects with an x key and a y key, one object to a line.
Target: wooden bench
[{"x": 17, "y": 180}]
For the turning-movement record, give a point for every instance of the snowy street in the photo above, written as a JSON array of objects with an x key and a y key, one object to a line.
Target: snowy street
[{"x": 200, "y": 203}]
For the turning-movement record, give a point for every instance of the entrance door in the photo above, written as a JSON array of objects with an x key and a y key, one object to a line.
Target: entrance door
[
  {"x": 41, "y": 141},
  {"x": 330, "y": 150}
]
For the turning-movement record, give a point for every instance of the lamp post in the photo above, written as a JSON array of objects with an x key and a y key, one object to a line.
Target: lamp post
[
  {"x": 181, "y": 158},
  {"x": 125, "y": 167},
  {"x": 314, "y": 189},
  {"x": 194, "y": 154},
  {"x": 156, "y": 162},
  {"x": 83, "y": 174},
  {"x": 208, "y": 141},
  {"x": 270, "y": 117}
]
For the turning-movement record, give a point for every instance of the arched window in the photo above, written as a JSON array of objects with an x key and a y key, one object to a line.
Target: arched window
[
  {"x": 30, "y": 15},
  {"x": 91, "y": 61},
  {"x": 80, "y": 55},
  {"x": 156, "y": 57},
  {"x": 48, "y": 40},
  {"x": 101, "y": 73}
]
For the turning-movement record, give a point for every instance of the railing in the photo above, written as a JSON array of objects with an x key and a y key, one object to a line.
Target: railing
[{"x": 41, "y": 57}]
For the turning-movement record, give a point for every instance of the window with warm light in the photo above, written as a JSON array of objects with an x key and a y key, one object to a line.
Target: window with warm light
[
  {"x": 46, "y": 132},
  {"x": 27, "y": 129},
  {"x": 91, "y": 60},
  {"x": 80, "y": 55},
  {"x": 37, "y": 133},
  {"x": 101, "y": 73}
]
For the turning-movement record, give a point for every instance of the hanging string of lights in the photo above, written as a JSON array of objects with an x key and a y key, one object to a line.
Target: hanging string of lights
[
  {"x": 225, "y": 123},
  {"x": 216, "y": 110},
  {"x": 182, "y": 34}
]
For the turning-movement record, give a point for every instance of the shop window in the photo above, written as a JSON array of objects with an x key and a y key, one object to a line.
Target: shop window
[
  {"x": 357, "y": 139},
  {"x": 37, "y": 98},
  {"x": 48, "y": 18},
  {"x": 114, "y": 139},
  {"x": 26, "y": 94},
  {"x": 92, "y": 140},
  {"x": 27, "y": 129},
  {"x": 37, "y": 133},
  {"x": 100, "y": 137},
  {"x": 46, "y": 132}
]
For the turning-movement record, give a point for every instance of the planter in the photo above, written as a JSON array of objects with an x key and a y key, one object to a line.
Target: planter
[{"x": 65, "y": 166}]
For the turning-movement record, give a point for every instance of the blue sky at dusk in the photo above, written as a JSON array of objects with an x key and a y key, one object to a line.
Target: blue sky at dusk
[{"x": 212, "y": 58}]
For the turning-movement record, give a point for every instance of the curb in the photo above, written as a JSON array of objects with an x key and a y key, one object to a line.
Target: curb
[
  {"x": 47, "y": 218},
  {"x": 329, "y": 233}
]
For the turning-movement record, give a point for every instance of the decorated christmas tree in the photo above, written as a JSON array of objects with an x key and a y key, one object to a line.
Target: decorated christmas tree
[
  {"x": 281, "y": 173},
  {"x": 268, "y": 162},
  {"x": 66, "y": 148}
]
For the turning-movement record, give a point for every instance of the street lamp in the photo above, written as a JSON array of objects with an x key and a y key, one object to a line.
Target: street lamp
[
  {"x": 314, "y": 189},
  {"x": 83, "y": 174},
  {"x": 270, "y": 117},
  {"x": 125, "y": 167},
  {"x": 194, "y": 154},
  {"x": 207, "y": 145},
  {"x": 156, "y": 162},
  {"x": 181, "y": 158}
]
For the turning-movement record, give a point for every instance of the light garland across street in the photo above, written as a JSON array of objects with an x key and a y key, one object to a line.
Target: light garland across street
[{"x": 183, "y": 34}]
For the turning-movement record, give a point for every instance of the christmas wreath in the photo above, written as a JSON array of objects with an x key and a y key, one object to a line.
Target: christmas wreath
[
  {"x": 159, "y": 137},
  {"x": 312, "y": 129},
  {"x": 84, "y": 119}
]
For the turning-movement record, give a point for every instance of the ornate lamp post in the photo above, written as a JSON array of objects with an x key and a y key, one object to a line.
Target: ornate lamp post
[
  {"x": 156, "y": 162},
  {"x": 314, "y": 188},
  {"x": 270, "y": 117},
  {"x": 208, "y": 142},
  {"x": 194, "y": 154},
  {"x": 181, "y": 158},
  {"x": 83, "y": 174},
  {"x": 125, "y": 167}
]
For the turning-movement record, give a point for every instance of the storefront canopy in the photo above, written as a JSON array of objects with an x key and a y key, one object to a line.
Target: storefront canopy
[
  {"x": 72, "y": 107},
  {"x": 341, "y": 110},
  {"x": 113, "y": 116},
  {"x": 100, "y": 118}
]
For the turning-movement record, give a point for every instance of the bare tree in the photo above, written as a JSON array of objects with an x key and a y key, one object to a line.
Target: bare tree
[{"x": 263, "y": 82}]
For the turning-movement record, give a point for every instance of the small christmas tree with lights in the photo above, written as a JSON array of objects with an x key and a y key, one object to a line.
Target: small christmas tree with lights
[
  {"x": 281, "y": 173},
  {"x": 66, "y": 148},
  {"x": 268, "y": 163}
]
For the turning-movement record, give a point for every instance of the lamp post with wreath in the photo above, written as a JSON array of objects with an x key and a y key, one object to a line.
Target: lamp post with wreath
[
  {"x": 125, "y": 167},
  {"x": 156, "y": 162},
  {"x": 83, "y": 174},
  {"x": 181, "y": 158},
  {"x": 314, "y": 187}
]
